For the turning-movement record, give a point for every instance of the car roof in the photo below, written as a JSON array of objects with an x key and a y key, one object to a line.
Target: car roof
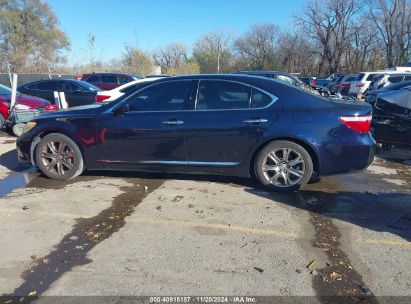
[{"x": 261, "y": 72}]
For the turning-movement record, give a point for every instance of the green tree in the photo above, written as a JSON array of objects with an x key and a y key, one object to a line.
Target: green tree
[
  {"x": 30, "y": 40},
  {"x": 136, "y": 61},
  {"x": 212, "y": 52}
]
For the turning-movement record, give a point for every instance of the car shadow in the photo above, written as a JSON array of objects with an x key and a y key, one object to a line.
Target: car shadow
[
  {"x": 9, "y": 160},
  {"x": 378, "y": 211}
]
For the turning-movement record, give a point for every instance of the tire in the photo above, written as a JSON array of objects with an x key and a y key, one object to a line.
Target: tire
[
  {"x": 58, "y": 157},
  {"x": 281, "y": 173}
]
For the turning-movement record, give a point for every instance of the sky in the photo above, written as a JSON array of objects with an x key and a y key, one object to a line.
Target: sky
[{"x": 150, "y": 24}]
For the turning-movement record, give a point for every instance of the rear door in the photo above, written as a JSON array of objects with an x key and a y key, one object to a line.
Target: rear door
[
  {"x": 94, "y": 80},
  {"x": 108, "y": 81},
  {"x": 225, "y": 127}
]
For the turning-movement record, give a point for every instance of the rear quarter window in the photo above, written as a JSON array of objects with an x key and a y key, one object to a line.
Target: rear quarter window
[
  {"x": 259, "y": 99},
  {"x": 109, "y": 78}
]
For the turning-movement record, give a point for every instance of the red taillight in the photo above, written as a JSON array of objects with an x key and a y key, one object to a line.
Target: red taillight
[
  {"x": 79, "y": 76},
  {"x": 51, "y": 108},
  {"x": 101, "y": 98},
  {"x": 313, "y": 82},
  {"x": 360, "y": 124},
  {"x": 360, "y": 85}
]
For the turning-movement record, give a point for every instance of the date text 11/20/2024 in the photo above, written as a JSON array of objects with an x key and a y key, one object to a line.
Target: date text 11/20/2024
[{"x": 205, "y": 299}]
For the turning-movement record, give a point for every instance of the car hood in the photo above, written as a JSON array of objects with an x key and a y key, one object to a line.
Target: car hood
[
  {"x": 73, "y": 112},
  {"x": 31, "y": 100}
]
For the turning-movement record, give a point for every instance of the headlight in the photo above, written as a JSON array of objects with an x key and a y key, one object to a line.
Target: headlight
[
  {"x": 21, "y": 107},
  {"x": 30, "y": 125}
]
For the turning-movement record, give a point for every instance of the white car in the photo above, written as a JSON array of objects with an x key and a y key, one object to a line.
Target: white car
[
  {"x": 106, "y": 96},
  {"x": 363, "y": 81}
]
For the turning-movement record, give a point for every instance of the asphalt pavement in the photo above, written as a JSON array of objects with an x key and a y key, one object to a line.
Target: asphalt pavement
[{"x": 127, "y": 234}]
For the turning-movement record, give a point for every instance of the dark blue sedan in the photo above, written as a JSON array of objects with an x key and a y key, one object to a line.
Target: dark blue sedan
[{"x": 236, "y": 125}]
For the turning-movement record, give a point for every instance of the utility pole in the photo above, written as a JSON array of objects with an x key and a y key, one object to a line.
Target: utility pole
[{"x": 218, "y": 56}]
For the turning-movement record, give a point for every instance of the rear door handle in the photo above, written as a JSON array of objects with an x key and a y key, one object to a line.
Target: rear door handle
[
  {"x": 256, "y": 121},
  {"x": 173, "y": 122}
]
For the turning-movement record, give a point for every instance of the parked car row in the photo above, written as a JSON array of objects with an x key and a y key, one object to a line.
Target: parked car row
[
  {"x": 23, "y": 102},
  {"x": 108, "y": 81},
  {"x": 80, "y": 92}
]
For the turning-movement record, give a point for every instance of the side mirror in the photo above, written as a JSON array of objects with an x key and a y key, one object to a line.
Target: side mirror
[{"x": 121, "y": 110}]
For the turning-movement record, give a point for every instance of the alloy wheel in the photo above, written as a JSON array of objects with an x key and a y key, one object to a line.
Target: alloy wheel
[
  {"x": 283, "y": 167},
  {"x": 58, "y": 158}
]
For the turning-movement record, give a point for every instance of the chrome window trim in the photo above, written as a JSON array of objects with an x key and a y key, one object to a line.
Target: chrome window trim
[{"x": 273, "y": 97}]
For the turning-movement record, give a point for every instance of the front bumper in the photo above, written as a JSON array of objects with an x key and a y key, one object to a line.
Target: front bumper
[{"x": 23, "y": 147}]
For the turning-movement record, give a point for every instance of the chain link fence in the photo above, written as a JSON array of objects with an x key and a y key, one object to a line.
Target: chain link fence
[{"x": 26, "y": 78}]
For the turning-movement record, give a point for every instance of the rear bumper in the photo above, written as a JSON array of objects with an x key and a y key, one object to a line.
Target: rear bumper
[{"x": 337, "y": 157}]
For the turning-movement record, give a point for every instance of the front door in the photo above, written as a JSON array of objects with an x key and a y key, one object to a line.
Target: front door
[{"x": 151, "y": 132}]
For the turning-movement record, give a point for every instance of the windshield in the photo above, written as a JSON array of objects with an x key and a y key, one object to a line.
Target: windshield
[{"x": 4, "y": 90}]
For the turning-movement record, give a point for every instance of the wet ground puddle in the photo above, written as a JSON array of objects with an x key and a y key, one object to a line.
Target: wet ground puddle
[{"x": 85, "y": 235}]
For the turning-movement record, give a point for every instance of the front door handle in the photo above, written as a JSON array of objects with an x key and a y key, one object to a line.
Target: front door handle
[
  {"x": 256, "y": 121},
  {"x": 173, "y": 122}
]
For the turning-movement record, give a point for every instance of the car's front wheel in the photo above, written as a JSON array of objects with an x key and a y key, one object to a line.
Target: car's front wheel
[
  {"x": 283, "y": 166},
  {"x": 59, "y": 157}
]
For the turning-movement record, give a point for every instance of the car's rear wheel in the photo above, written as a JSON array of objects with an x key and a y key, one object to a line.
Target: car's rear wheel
[
  {"x": 59, "y": 157},
  {"x": 283, "y": 166}
]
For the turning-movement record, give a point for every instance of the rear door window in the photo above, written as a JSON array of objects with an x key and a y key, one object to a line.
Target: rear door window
[
  {"x": 94, "y": 78},
  {"x": 109, "y": 78},
  {"x": 222, "y": 95},
  {"x": 67, "y": 87},
  {"x": 46, "y": 86}
]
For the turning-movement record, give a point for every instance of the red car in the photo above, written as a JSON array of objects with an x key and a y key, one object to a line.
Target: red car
[
  {"x": 23, "y": 102},
  {"x": 108, "y": 81}
]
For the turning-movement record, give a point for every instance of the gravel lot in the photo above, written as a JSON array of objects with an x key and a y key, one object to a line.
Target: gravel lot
[{"x": 126, "y": 234}]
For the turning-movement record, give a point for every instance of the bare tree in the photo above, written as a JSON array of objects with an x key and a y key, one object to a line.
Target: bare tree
[
  {"x": 393, "y": 22},
  {"x": 258, "y": 46},
  {"x": 171, "y": 55},
  {"x": 212, "y": 52},
  {"x": 329, "y": 24}
]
